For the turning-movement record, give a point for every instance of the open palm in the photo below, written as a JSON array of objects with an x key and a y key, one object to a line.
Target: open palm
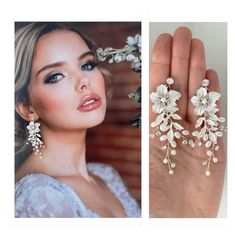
[{"x": 188, "y": 192}]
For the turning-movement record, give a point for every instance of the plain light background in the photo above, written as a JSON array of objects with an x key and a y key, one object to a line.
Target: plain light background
[{"x": 214, "y": 37}]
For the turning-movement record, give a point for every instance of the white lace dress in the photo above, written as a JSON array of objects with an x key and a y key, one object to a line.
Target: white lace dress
[{"x": 40, "y": 196}]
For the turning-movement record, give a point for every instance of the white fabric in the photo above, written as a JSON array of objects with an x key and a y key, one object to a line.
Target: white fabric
[{"x": 39, "y": 195}]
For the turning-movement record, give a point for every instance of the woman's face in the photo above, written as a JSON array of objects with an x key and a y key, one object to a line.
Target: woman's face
[{"x": 66, "y": 89}]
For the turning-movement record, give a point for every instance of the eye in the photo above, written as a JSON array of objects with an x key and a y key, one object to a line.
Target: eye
[
  {"x": 54, "y": 78},
  {"x": 90, "y": 65}
]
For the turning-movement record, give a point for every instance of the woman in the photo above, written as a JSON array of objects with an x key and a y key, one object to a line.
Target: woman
[{"x": 59, "y": 86}]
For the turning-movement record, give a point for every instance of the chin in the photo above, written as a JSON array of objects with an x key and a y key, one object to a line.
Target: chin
[{"x": 95, "y": 122}]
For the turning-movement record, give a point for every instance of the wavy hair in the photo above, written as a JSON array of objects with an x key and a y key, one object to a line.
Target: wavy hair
[{"x": 26, "y": 39}]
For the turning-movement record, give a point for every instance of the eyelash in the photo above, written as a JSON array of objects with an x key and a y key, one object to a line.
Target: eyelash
[
  {"x": 53, "y": 78},
  {"x": 89, "y": 65}
]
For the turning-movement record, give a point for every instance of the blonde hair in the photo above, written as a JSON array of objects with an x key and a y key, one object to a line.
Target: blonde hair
[{"x": 26, "y": 39}]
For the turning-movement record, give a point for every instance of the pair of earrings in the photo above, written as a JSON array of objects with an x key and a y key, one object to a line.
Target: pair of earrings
[{"x": 167, "y": 127}]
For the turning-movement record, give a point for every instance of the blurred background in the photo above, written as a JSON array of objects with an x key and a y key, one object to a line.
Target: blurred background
[{"x": 115, "y": 141}]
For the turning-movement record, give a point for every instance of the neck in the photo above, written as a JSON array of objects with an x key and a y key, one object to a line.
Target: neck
[{"x": 65, "y": 153}]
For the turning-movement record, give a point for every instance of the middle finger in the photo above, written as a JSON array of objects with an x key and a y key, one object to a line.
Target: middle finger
[{"x": 180, "y": 65}]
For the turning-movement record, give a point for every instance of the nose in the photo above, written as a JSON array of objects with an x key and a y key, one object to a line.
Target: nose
[{"x": 82, "y": 84}]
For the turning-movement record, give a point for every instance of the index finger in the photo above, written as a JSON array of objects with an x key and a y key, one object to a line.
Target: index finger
[{"x": 160, "y": 64}]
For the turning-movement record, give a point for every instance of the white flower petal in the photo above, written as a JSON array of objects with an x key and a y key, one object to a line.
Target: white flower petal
[
  {"x": 162, "y": 90},
  {"x": 199, "y": 110},
  {"x": 37, "y": 124},
  {"x": 170, "y": 108},
  {"x": 164, "y": 127},
  {"x": 156, "y": 108},
  {"x": 31, "y": 123},
  {"x": 154, "y": 96},
  {"x": 214, "y": 96},
  {"x": 130, "y": 40},
  {"x": 137, "y": 37},
  {"x": 130, "y": 57},
  {"x": 174, "y": 95},
  {"x": 202, "y": 92},
  {"x": 195, "y": 101},
  {"x": 212, "y": 111}
]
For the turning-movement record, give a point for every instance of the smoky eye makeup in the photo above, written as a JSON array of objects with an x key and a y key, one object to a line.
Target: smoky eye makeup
[
  {"x": 89, "y": 63},
  {"x": 53, "y": 78}
]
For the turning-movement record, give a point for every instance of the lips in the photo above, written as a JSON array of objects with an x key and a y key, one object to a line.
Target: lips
[{"x": 89, "y": 102}]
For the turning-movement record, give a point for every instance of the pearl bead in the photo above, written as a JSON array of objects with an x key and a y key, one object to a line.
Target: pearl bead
[
  {"x": 163, "y": 100},
  {"x": 205, "y": 82},
  {"x": 171, "y": 172},
  {"x": 173, "y": 152},
  {"x": 207, "y": 173},
  {"x": 165, "y": 161},
  {"x": 209, "y": 153},
  {"x": 158, "y": 133},
  {"x": 170, "y": 81},
  {"x": 199, "y": 143},
  {"x": 222, "y": 119},
  {"x": 215, "y": 160},
  {"x": 185, "y": 132},
  {"x": 192, "y": 145},
  {"x": 184, "y": 142}
]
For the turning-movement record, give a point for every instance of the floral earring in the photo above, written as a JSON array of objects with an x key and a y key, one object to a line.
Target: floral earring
[
  {"x": 209, "y": 123},
  {"x": 165, "y": 125},
  {"x": 34, "y": 137}
]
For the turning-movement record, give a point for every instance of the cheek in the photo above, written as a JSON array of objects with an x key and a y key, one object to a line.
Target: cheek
[
  {"x": 99, "y": 83},
  {"x": 48, "y": 103}
]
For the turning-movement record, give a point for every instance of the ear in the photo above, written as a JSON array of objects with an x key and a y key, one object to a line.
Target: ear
[{"x": 26, "y": 111}]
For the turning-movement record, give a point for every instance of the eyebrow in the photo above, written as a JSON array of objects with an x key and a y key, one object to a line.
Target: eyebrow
[{"x": 57, "y": 64}]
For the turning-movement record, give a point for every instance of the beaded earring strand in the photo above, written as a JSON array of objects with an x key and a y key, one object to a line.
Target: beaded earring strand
[
  {"x": 208, "y": 125},
  {"x": 165, "y": 125},
  {"x": 34, "y": 137}
]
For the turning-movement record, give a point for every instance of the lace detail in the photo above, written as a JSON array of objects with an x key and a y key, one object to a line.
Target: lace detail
[{"x": 39, "y": 195}]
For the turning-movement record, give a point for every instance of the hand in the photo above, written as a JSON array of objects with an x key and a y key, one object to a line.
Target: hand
[{"x": 188, "y": 192}]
